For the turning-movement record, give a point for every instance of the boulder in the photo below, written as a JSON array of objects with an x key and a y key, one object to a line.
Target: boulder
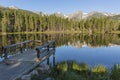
[
  {"x": 44, "y": 68},
  {"x": 26, "y": 77},
  {"x": 49, "y": 78},
  {"x": 34, "y": 72}
]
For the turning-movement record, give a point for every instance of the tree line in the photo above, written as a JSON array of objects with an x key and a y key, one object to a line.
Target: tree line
[{"x": 13, "y": 20}]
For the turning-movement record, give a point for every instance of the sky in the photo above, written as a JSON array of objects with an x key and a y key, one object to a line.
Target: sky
[{"x": 65, "y": 6}]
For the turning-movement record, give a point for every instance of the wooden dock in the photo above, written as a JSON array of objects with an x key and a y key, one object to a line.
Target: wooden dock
[{"x": 19, "y": 64}]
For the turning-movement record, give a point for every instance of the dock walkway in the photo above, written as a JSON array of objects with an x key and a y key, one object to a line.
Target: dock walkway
[{"x": 19, "y": 64}]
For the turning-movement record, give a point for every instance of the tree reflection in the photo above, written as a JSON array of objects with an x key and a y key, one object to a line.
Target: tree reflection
[{"x": 76, "y": 40}]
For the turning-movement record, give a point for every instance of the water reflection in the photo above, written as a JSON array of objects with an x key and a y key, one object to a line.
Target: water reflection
[
  {"x": 92, "y": 49},
  {"x": 76, "y": 40}
]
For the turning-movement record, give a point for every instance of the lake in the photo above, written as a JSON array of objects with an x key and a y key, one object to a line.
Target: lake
[{"x": 92, "y": 49}]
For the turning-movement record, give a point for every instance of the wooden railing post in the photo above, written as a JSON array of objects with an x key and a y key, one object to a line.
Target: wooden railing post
[
  {"x": 48, "y": 61},
  {"x": 54, "y": 46},
  {"x": 5, "y": 53},
  {"x": 38, "y": 53},
  {"x": 54, "y": 59},
  {"x": 21, "y": 50},
  {"x": 48, "y": 49},
  {"x": 45, "y": 50}
]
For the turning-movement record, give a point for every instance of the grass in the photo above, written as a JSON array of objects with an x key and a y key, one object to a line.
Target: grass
[{"x": 81, "y": 71}]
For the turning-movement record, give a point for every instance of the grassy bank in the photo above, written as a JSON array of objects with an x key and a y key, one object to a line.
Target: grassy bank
[
  {"x": 53, "y": 32},
  {"x": 72, "y": 70},
  {"x": 46, "y": 32},
  {"x": 81, "y": 71}
]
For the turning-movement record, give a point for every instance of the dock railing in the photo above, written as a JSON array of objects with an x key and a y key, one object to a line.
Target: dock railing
[
  {"x": 45, "y": 49},
  {"x": 17, "y": 47}
]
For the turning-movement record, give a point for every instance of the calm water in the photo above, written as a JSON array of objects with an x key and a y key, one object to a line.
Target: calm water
[{"x": 92, "y": 49}]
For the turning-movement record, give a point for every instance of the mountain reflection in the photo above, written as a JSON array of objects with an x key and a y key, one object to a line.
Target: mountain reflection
[{"x": 76, "y": 40}]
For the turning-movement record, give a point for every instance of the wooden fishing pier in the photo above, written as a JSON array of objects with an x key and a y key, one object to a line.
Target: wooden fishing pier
[{"x": 24, "y": 60}]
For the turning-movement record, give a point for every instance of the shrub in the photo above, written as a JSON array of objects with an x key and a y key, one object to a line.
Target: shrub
[
  {"x": 100, "y": 73},
  {"x": 80, "y": 67},
  {"x": 62, "y": 66},
  {"x": 99, "y": 69},
  {"x": 84, "y": 67},
  {"x": 75, "y": 71},
  {"x": 115, "y": 72},
  {"x": 75, "y": 66}
]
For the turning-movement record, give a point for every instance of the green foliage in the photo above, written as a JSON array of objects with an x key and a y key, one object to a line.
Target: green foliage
[
  {"x": 83, "y": 72},
  {"x": 75, "y": 66},
  {"x": 35, "y": 77},
  {"x": 84, "y": 67},
  {"x": 99, "y": 69},
  {"x": 62, "y": 66},
  {"x": 115, "y": 73},
  {"x": 100, "y": 72},
  {"x": 80, "y": 67},
  {"x": 70, "y": 75}
]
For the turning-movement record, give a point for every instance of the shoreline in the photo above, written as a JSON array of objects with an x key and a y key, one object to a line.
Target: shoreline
[{"x": 55, "y": 32}]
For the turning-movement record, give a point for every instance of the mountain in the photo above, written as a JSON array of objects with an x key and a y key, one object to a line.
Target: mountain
[
  {"x": 76, "y": 15},
  {"x": 96, "y": 14},
  {"x": 39, "y": 13},
  {"x": 13, "y": 7},
  {"x": 59, "y": 14},
  {"x": 99, "y": 14}
]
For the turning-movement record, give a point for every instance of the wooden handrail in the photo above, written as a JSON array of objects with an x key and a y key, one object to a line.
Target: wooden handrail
[
  {"x": 45, "y": 48},
  {"x": 40, "y": 49},
  {"x": 15, "y": 46}
]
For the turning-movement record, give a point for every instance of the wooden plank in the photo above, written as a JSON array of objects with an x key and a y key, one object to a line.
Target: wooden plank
[{"x": 18, "y": 64}]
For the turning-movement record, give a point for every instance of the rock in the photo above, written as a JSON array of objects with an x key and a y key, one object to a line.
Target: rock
[
  {"x": 26, "y": 77},
  {"x": 44, "y": 68},
  {"x": 9, "y": 62},
  {"x": 34, "y": 72},
  {"x": 49, "y": 78}
]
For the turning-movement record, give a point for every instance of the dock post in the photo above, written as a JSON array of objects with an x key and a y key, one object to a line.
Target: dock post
[
  {"x": 48, "y": 49},
  {"x": 48, "y": 61},
  {"x": 21, "y": 50},
  {"x": 54, "y": 45},
  {"x": 5, "y": 53},
  {"x": 38, "y": 53},
  {"x": 54, "y": 59}
]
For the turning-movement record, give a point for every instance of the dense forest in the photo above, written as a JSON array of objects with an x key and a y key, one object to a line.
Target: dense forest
[{"x": 17, "y": 20}]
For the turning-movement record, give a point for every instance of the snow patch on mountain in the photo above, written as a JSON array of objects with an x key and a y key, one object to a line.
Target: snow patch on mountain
[{"x": 13, "y": 7}]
